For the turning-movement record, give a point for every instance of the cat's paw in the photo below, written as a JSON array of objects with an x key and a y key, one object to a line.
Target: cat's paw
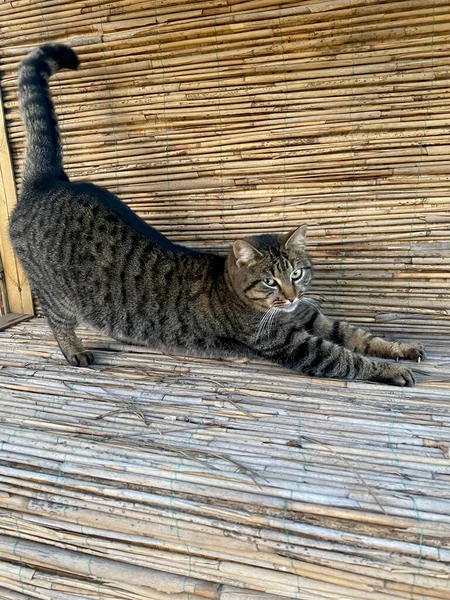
[
  {"x": 394, "y": 375},
  {"x": 81, "y": 359},
  {"x": 415, "y": 352}
]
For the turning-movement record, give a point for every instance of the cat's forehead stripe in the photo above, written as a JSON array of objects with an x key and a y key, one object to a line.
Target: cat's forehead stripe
[{"x": 252, "y": 285}]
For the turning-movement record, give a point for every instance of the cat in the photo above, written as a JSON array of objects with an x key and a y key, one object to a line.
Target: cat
[{"x": 90, "y": 260}]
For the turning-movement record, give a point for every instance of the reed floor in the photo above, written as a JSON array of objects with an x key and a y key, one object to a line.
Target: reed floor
[{"x": 156, "y": 477}]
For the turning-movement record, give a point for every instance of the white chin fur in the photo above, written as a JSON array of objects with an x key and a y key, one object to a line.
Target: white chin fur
[{"x": 290, "y": 307}]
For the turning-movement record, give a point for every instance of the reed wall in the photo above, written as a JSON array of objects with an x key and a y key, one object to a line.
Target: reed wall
[{"x": 215, "y": 119}]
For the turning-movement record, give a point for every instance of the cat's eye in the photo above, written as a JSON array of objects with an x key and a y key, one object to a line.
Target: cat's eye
[
  {"x": 297, "y": 274},
  {"x": 270, "y": 282}
]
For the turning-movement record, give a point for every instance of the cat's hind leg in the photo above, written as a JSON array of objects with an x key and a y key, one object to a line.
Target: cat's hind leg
[
  {"x": 63, "y": 327},
  {"x": 70, "y": 345}
]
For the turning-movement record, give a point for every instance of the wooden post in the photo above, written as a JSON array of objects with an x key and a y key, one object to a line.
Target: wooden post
[{"x": 17, "y": 287}]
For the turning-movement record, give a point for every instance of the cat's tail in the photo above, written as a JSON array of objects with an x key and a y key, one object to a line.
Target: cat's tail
[{"x": 43, "y": 155}]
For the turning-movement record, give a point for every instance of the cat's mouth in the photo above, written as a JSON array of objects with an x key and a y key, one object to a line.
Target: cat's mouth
[
  {"x": 291, "y": 306},
  {"x": 288, "y": 306}
]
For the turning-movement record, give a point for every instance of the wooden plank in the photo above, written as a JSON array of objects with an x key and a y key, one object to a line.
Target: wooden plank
[
  {"x": 18, "y": 289},
  {"x": 12, "y": 319}
]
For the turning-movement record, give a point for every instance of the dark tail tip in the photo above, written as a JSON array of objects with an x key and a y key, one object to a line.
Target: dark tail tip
[
  {"x": 51, "y": 57},
  {"x": 61, "y": 54}
]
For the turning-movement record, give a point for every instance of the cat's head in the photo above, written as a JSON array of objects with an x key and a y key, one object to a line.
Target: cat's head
[{"x": 272, "y": 271}]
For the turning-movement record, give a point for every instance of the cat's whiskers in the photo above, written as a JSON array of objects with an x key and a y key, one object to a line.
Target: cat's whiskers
[
  {"x": 266, "y": 321},
  {"x": 311, "y": 302},
  {"x": 262, "y": 322},
  {"x": 271, "y": 320}
]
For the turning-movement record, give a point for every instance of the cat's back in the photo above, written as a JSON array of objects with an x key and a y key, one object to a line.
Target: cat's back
[
  {"x": 60, "y": 226},
  {"x": 45, "y": 209}
]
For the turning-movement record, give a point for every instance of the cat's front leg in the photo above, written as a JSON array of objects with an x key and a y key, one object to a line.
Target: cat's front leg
[
  {"x": 315, "y": 356},
  {"x": 362, "y": 341}
]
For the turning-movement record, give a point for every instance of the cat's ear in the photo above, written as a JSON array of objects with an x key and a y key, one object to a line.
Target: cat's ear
[
  {"x": 245, "y": 252},
  {"x": 296, "y": 238}
]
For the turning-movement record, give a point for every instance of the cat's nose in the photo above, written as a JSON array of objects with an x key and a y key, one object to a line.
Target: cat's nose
[{"x": 290, "y": 299}]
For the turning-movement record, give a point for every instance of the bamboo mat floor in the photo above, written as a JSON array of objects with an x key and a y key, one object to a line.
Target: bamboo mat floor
[{"x": 159, "y": 477}]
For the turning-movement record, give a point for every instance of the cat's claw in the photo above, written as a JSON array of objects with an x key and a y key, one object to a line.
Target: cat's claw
[
  {"x": 81, "y": 359},
  {"x": 415, "y": 352}
]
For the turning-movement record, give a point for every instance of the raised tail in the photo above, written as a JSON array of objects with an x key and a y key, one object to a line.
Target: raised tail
[{"x": 43, "y": 155}]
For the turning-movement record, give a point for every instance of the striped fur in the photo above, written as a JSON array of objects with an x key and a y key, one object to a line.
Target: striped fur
[
  {"x": 44, "y": 156},
  {"x": 91, "y": 261}
]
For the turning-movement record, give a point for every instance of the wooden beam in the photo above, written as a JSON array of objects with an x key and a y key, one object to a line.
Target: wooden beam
[
  {"x": 17, "y": 286},
  {"x": 12, "y": 319}
]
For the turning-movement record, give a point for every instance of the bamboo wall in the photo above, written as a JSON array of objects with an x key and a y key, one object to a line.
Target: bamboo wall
[{"x": 219, "y": 118}]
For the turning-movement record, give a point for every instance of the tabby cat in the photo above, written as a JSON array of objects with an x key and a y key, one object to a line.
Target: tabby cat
[{"x": 91, "y": 260}]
